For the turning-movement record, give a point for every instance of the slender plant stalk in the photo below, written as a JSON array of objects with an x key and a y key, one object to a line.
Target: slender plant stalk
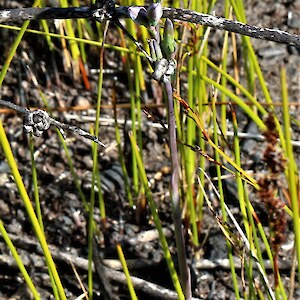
[
  {"x": 223, "y": 127},
  {"x": 202, "y": 97},
  {"x": 73, "y": 171},
  {"x": 241, "y": 199},
  {"x": 81, "y": 22},
  {"x": 138, "y": 70},
  {"x": 190, "y": 155},
  {"x": 240, "y": 187},
  {"x": 91, "y": 222},
  {"x": 140, "y": 85},
  {"x": 180, "y": 243}
]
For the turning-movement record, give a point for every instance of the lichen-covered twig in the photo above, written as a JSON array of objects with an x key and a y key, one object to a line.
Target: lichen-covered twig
[
  {"x": 275, "y": 35},
  {"x": 38, "y": 121}
]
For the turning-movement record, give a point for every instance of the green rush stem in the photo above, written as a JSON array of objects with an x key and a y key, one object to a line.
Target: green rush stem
[
  {"x": 190, "y": 155},
  {"x": 126, "y": 272},
  {"x": 292, "y": 178}
]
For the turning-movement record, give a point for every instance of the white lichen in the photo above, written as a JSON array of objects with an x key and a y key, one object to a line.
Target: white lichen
[
  {"x": 5, "y": 14},
  {"x": 214, "y": 21}
]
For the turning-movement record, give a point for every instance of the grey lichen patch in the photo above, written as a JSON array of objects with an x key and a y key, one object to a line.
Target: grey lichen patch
[
  {"x": 5, "y": 14},
  {"x": 186, "y": 16},
  {"x": 214, "y": 21},
  {"x": 277, "y": 31}
]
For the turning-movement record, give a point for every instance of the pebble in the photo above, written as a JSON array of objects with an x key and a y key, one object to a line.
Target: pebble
[
  {"x": 293, "y": 20},
  {"x": 270, "y": 52}
]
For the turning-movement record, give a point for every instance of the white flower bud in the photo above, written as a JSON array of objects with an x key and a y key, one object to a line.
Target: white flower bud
[
  {"x": 154, "y": 13},
  {"x": 138, "y": 15}
]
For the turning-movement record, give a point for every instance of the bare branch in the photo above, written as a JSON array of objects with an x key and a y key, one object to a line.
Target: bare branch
[
  {"x": 275, "y": 35},
  {"x": 38, "y": 121},
  {"x": 22, "y": 14}
]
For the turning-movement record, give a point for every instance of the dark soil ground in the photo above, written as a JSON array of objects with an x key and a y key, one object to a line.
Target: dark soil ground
[{"x": 63, "y": 212}]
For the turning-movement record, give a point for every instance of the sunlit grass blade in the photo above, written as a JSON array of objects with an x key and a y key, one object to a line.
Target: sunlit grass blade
[
  {"x": 240, "y": 87},
  {"x": 62, "y": 36},
  {"x": 80, "y": 24},
  {"x": 189, "y": 155},
  {"x": 126, "y": 272},
  {"x": 35, "y": 184},
  {"x": 293, "y": 181},
  {"x": 247, "y": 109}
]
